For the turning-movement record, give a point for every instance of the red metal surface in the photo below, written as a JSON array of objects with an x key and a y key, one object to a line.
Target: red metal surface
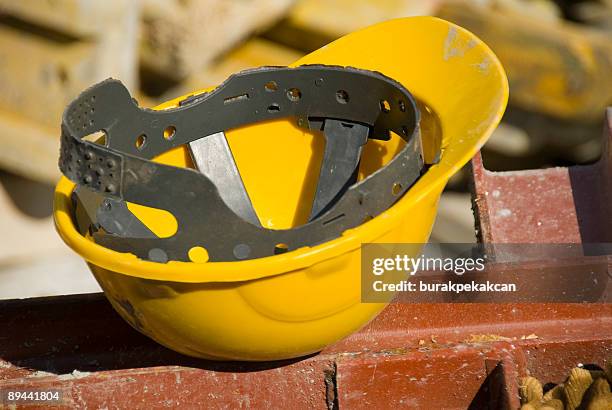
[
  {"x": 51, "y": 338},
  {"x": 183, "y": 387},
  {"x": 412, "y": 355},
  {"x": 555, "y": 205},
  {"x": 396, "y": 379}
]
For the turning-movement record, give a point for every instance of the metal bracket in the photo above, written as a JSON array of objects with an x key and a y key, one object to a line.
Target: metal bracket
[
  {"x": 343, "y": 143},
  {"x": 213, "y": 158}
]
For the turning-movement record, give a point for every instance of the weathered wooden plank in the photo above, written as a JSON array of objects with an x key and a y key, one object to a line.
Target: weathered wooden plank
[
  {"x": 180, "y": 38},
  {"x": 255, "y": 52},
  {"x": 314, "y": 23},
  {"x": 49, "y": 53},
  {"x": 78, "y": 17}
]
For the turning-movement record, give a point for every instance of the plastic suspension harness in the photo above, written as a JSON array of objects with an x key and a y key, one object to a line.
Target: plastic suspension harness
[{"x": 210, "y": 204}]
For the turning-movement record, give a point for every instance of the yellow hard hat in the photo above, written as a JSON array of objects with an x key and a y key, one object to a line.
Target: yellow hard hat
[{"x": 297, "y": 302}]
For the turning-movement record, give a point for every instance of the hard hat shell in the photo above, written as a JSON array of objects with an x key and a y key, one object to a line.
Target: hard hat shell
[{"x": 297, "y": 303}]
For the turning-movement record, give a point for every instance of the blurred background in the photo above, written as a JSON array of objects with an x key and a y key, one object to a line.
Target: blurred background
[{"x": 557, "y": 53}]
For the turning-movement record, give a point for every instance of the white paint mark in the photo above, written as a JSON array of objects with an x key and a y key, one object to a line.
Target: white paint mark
[
  {"x": 504, "y": 213},
  {"x": 449, "y": 50},
  {"x": 455, "y": 46},
  {"x": 484, "y": 65},
  {"x": 74, "y": 375}
]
